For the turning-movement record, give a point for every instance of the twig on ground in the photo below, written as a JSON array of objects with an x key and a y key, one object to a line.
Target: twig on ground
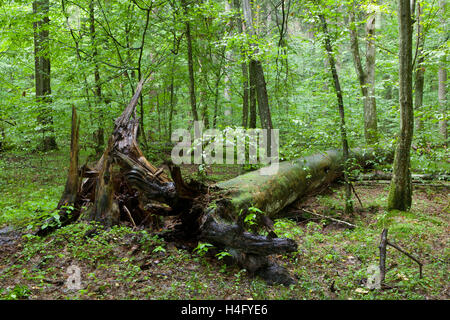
[
  {"x": 408, "y": 255},
  {"x": 129, "y": 216},
  {"x": 348, "y": 224}
]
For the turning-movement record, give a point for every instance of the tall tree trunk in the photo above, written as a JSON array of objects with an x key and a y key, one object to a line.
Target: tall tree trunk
[
  {"x": 442, "y": 77},
  {"x": 245, "y": 94},
  {"x": 99, "y": 134},
  {"x": 172, "y": 96},
  {"x": 257, "y": 74},
  {"x": 387, "y": 87},
  {"x": 244, "y": 68},
  {"x": 366, "y": 77},
  {"x": 340, "y": 100},
  {"x": 204, "y": 98},
  {"x": 190, "y": 65},
  {"x": 420, "y": 70},
  {"x": 400, "y": 192},
  {"x": 227, "y": 89},
  {"x": 442, "y": 93},
  {"x": 370, "y": 107},
  {"x": 158, "y": 110},
  {"x": 42, "y": 73}
]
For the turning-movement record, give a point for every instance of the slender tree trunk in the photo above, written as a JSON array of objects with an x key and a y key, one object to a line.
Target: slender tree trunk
[
  {"x": 245, "y": 94},
  {"x": 172, "y": 96},
  {"x": 139, "y": 70},
  {"x": 158, "y": 109},
  {"x": 366, "y": 77},
  {"x": 42, "y": 73},
  {"x": 442, "y": 77},
  {"x": 400, "y": 192},
  {"x": 370, "y": 111},
  {"x": 420, "y": 70},
  {"x": 99, "y": 134},
  {"x": 203, "y": 98},
  {"x": 261, "y": 94},
  {"x": 227, "y": 89},
  {"x": 190, "y": 66},
  {"x": 257, "y": 75},
  {"x": 244, "y": 67},
  {"x": 337, "y": 87},
  {"x": 216, "y": 98},
  {"x": 252, "y": 99},
  {"x": 442, "y": 93},
  {"x": 387, "y": 87}
]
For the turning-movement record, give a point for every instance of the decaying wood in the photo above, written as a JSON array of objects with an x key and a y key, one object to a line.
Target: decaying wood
[
  {"x": 393, "y": 245},
  {"x": 382, "y": 247},
  {"x": 341, "y": 222},
  {"x": 384, "y": 242},
  {"x": 124, "y": 186},
  {"x": 67, "y": 205},
  {"x": 414, "y": 177}
]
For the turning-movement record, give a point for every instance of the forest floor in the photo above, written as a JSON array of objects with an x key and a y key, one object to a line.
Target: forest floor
[{"x": 121, "y": 263}]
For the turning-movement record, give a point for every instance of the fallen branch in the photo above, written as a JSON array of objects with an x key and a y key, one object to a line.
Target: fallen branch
[
  {"x": 384, "y": 242},
  {"x": 356, "y": 195},
  {"x": 416, "y": 183},
  {"x": 414, "y": 177},
  {"x": 129, "y": 216},
  {"x": 408, "y": 255},
  {"x": 345, "y": 223}
]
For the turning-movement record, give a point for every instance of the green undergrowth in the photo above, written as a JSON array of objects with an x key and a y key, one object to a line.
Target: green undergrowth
[{"x": 120, "y": 263}]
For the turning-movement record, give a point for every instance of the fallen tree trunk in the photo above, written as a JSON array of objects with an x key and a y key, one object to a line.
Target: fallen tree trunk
[
  {"x": 124, "y": 186},
  {"x": 265, "y": 197},
  {"x": 294, "y": 179},
  {"x": 414, "y": 177}
]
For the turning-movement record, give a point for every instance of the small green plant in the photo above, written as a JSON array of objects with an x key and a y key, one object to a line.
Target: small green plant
[
  {"x": 159, "y": 249},
  {"x": 202, "y": 248},
  {"x": 250, "y": 218},
  {"x": 222, "y": 255},
  {"x": 19, "y": 292}
]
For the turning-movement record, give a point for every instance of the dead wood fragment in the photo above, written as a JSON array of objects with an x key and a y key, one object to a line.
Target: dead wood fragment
[
  {"x": 384, "y": 242},
  {"x": 341, "y": 222}
]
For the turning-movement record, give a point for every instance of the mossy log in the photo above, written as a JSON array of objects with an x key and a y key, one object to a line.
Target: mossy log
[
  {"x": 124, "y": 187},
  {"x": 294, "y": 179},
  {"x": 225, "y": 225}
]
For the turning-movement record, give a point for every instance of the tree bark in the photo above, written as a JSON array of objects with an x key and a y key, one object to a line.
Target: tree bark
[
  {"x": 340, "y": 100},
  {"x": 99, "y": 135},
  {"x": 244, "y": 68},
  {"x": 366, "y": 77},
  {"x": 442, "y": 76},
  {"x": 370, "y": 107},
  {"x": 172, "y": 96},
  {"x": 42, "y": 73},
  {"x": 257, "y": 75},
  {"x": 420, "y": 69},
  {"x": 228, "y": 110},
  {"x": 400, "y": 192},
  {"x": 252, "y": 99},
  {"x": 190, "y": 65}
]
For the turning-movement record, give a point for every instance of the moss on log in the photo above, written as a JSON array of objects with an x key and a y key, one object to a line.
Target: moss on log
[{"x": 294, "y": 179}]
